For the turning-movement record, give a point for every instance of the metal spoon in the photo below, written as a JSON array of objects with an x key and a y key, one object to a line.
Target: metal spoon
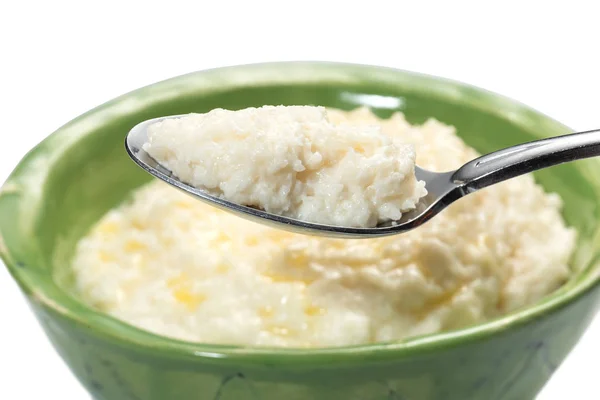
[{"x": 443, "y": 187}]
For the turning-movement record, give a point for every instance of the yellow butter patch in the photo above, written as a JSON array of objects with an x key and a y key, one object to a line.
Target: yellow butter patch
[
  {"x": 275, "y": 278},
  {"x": 314, "y": 311},
  {"x": 138, "y": 224},
  {"x": 105, "y": 256},
  {"x": 133, "y": 245},
  {"x": 358, "y": 148},
  {"x": 191, "y": 300},
  {"x": 182, "y": 292},
  {"x": 184, "y": 204},
  {"x": 221, "y": 237},
  {"x": 223, "y": 268},
  {"x": 108, "y": 227},
  {"x": 297, "y": 260}
]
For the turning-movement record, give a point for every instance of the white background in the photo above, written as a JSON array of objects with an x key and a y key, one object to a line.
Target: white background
[{"x": 59, "y": 59}]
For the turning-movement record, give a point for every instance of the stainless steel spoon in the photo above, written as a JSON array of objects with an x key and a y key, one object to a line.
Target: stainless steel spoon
[{"x": 444, "y": 187}]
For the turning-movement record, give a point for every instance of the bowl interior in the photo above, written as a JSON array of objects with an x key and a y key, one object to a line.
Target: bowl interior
[{"x": 70, "y": 180}]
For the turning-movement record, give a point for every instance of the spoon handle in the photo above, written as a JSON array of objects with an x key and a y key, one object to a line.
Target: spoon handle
[{"x": 524, "y": 158}]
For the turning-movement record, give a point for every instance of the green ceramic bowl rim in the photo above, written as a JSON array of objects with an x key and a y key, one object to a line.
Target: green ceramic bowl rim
[{"x": 32, "y": 171}]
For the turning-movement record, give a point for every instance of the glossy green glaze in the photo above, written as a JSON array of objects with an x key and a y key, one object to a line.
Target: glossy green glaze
[{"x": 78, "y": 173}]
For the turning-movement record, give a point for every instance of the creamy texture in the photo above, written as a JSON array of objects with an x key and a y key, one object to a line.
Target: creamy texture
[
  {"x": 177, "y": 267},
  {"x": 292, "y": 161}
]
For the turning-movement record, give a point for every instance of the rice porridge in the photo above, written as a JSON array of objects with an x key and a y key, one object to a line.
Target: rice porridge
[
  {"x": 172, "y": 265},
  {"x": 292, "y": 161}
]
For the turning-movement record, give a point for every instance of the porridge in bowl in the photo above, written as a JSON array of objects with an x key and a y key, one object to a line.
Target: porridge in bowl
[{"x": 175, "y": 266}]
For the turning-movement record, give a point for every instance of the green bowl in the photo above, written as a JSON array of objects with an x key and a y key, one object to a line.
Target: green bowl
[{"x": 73, "y": 177}]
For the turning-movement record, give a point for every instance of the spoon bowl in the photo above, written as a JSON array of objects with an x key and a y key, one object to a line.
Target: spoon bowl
[
  {"x": 443, "y": 187},
  {"x": 439, "y": 187}
]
